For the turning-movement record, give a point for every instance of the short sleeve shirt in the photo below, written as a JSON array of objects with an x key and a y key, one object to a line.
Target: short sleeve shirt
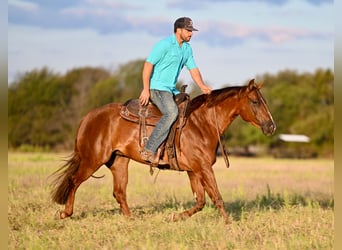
[{"x": 169, "y": 59}]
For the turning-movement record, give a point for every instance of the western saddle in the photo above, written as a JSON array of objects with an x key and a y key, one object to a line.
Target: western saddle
[{"x": 149, "y": 115}]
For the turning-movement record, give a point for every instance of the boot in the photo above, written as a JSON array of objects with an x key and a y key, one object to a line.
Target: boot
[{"x": 149, "y": 156}]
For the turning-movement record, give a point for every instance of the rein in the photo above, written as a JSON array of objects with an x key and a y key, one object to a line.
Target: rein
[{"x": 223, "y": 150}]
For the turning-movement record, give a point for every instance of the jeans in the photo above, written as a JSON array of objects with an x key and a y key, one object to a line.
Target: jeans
[{"x": 164, "y": 100}]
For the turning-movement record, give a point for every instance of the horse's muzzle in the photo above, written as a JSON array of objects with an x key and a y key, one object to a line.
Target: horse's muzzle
[{"x": 268, "y": 128}]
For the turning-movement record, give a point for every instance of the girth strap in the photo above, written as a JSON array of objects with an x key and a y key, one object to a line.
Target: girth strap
[{"x": 142, "y": 126}]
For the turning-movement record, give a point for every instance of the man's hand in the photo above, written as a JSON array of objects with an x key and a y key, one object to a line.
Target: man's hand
[
  {"x": 144, "y": 97},
  {"x": 197, "y": 77},
  {"x": 206, "y": 89}
]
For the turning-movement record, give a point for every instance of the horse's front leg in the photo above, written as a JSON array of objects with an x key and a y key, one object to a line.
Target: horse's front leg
[
  {"x": 198, "y": 191},
  {"x": 210, "y": 186},
  {"x": 120, "y": 179}
]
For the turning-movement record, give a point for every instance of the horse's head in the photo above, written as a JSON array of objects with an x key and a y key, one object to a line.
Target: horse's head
[{"x": 254, "y": 110}]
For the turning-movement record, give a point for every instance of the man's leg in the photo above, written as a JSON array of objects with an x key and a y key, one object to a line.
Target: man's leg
[{"x": 165, "y": 102}]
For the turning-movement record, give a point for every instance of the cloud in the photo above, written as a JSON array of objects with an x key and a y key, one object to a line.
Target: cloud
[
  {"x": 108, "y": 17},
  {"x": 102, "y": 16},
  {"x": 200, "y": 4},
  {"x": 319, "y": 2},
  {"x": 24, "y": 5},
  {"x": 231, "y": 35},
  {"x": 101, "y": 8}
]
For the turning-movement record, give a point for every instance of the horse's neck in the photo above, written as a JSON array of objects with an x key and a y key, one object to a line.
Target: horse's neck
[
  {"x": 225, "y": 116},
  {"x": 220, "y": 115}
]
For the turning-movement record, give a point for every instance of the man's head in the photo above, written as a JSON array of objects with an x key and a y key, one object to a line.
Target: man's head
[{"x": 184, "y": 23}]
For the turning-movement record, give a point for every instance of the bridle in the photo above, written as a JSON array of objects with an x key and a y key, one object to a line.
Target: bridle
[{"x": 222, "y": 147}]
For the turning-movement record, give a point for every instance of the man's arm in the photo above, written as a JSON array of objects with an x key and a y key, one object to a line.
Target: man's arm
[
  {"x": 197, "y": 77},
  {"x": 146, "y": 76}
]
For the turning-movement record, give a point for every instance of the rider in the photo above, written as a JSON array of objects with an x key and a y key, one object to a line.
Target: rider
[{"x": 160, "y": 74}]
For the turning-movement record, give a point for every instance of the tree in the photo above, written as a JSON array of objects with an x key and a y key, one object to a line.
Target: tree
[
  {"x": 300, "y": 104},
  {"x": 35, "y": 108},
  {"x": 45, "y": 108}
]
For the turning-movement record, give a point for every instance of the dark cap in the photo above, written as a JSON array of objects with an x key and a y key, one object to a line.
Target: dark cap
[{"x": 184, "y": 23}]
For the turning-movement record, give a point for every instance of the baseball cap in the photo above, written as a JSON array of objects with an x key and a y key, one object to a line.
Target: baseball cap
[{"x": 184, "y": 23}]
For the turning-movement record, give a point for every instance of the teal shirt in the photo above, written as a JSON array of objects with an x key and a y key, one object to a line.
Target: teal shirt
[{"x": 169, "y": 59}]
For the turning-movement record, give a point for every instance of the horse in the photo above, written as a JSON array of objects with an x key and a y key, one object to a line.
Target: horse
[{"x": 105, "y": 138}]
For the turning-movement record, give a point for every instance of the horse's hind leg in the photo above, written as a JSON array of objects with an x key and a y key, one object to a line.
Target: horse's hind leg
[
  {"x": 199, "y": 193},
  {"x": 120, "y": 178},
  {"x": 81, "y": 175}
]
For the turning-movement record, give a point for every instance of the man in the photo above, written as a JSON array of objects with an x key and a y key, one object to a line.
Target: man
[{"x": 160, "y": 74}]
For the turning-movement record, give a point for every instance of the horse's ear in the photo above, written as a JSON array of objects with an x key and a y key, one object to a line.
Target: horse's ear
[
  {"x": 259, "y": 86},
  {"x": 251, "y": 84}
]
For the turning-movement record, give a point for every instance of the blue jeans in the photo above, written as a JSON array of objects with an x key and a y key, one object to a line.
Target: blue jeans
[{"x": 164, "y": 100}]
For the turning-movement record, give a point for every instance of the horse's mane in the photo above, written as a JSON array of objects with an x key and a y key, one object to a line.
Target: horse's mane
[{"x": 216, "y": 96}]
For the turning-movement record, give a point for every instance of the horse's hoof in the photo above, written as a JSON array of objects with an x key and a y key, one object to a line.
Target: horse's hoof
[
  {"x": 179, "y": 217},
  {"x": 173, "y": 217},
  {"x": 130, "y": 218},
  {"x": 60, "y": 215},
  {"x": 227, "y": 222},
  {"x": 57, "y": 215},
  {"x": 63, "y": 215}
]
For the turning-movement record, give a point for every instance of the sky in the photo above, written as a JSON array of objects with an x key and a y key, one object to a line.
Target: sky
[{"x": 237, "y": 39}]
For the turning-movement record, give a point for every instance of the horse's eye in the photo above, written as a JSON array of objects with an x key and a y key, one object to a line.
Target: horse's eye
[{"x": 254, "y": 102}]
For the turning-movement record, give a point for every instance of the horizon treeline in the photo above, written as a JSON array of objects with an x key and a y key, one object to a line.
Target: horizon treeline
[{"x": 45, "y": 108}]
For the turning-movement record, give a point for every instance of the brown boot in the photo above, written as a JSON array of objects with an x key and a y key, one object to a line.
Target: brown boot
[{"x": 149, "y": 156}]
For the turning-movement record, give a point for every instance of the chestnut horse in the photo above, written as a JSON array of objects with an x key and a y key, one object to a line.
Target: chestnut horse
[{"x": 104, "y": 137}]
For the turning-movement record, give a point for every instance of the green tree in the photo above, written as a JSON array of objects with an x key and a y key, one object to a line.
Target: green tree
[
  {"x": 45, "y": 108},
  {"x": 35, "y": 107},
  {"x": 103, "y": 92},
  {"x": 130, "y": 80},
  {"x": 300, "y": 104}
]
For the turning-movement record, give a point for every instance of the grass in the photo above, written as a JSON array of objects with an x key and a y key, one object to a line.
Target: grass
[{"x": 273, "y": 204}]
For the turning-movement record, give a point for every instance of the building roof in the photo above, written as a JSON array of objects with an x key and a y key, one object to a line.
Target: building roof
[{"x": 294, "y": 138}]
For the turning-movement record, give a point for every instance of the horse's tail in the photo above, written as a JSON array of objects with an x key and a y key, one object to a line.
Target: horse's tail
[{"x": 62, "y": 184}]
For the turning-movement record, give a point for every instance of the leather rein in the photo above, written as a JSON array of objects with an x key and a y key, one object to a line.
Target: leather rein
[{"x": 222, "y": 148}]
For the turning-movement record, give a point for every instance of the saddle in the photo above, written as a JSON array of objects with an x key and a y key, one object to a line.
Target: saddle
[{"x": 149, "y": 115}]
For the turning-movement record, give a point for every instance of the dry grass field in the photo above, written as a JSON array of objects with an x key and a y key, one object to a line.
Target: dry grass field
[{"x": 273, "y": 204}]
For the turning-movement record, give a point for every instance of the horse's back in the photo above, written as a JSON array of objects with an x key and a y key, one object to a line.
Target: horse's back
[{"x": 101, "y": 116}]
